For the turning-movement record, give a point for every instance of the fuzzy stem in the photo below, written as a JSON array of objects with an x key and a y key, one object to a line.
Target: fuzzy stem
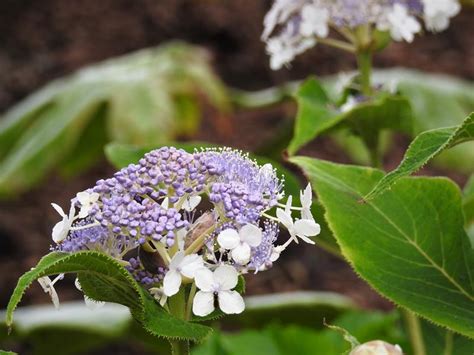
[
  {"x": 177, "y": 307},
  {"x": 414, "y": 332}
]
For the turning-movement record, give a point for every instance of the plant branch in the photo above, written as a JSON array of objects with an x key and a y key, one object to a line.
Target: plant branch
[{"x": 414, "y": 332}]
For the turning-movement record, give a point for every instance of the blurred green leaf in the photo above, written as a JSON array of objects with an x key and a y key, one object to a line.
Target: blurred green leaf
[
  {"x": 295, "y": 339},
  {"x": 302, "y": 308},
  {"x": 398, "y": 242},
  {"x": 438, "y": 101},
  {"x": 149, "y": 97},
  {"x": 439, "y": 341},
  {"x": 424, "y": 148},
  {"x": 317, "y": 114}
]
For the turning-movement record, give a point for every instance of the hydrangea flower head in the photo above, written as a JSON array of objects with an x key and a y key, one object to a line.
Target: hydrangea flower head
[
  {"x": 177, "y": 219},
  {"x": 293, "y": 26}
]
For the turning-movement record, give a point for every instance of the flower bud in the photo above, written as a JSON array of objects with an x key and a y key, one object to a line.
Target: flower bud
[{"x": 376, "y": 347}]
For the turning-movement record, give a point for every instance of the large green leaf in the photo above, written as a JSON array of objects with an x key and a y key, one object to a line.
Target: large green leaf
[
  {"x": 103, "y": 278},
  {"x": 424, "y": 148},
  {"x": 409, "y": 243},
  {"x": 149, "y": 97},
  {"x": 316, "y": 115}
]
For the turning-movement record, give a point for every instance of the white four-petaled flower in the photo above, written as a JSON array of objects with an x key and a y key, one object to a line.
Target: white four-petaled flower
[
  {"x": 218, "y": 283},
  {"x": 87, "y": 200},
  {"x": 181, "y": 265},
  {"x": 301, "y": 228},
  {"x": 62, "y": 228},
  {"x": 401, "y": 24},
  {"x": 240, "y": 243},
  {"x": 438, "y": 12}
]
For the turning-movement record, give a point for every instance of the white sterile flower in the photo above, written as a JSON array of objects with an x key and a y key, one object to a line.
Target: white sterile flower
[
  {"x": 314, "y": 21},
  {"x": 62, "y": 228},
  {"x": 306, "y": 198},
  {"x": 438, "y": 12},
  {"x": 159, "y": 295},
  {"x": 220, "y": 283},
  {"x": 283, "y": 49},
  {"x": 48, "y": 287},
  {"x": 87, "y": 200},
  {"x": 301, "y": 228},
  {"x": 401, "y": 24},
  {"x": 240, "y": 243},
  {"x": 191, "y": 203},
  {"x": 180, "y": 266},
  {"x": 90, "y": 303}
]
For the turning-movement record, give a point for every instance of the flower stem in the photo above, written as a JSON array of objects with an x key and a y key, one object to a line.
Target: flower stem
[
  {"x": 189, "y": 306},
  {"x": 415, "y": 333},
  {"x": 364, "y": 61},
  {"x": 177, "y": 307}
]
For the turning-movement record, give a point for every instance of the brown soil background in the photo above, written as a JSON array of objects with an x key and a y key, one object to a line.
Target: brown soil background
[{"x": 43, "y": 40}]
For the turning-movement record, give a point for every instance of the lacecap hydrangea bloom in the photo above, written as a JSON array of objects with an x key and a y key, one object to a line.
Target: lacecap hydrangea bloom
[
  {"x": 293, "y": 26},
  {"x": 179, "y": 218}
]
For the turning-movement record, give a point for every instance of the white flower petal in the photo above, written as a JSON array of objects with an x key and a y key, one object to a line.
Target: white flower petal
[
  {"x": 190, "y": 264},
  {"x": 251, "y": 234},
  {"x": 228, "y": 238},
  {"x": 171, "y": 283},
  {"x": 231, "y": 302},
  {"x": 191, "y": 203},
  {"x": 165, "y": 203},
  {"x": 241, "y": 254},
  {"x": 284, "y": 218},
  {"x": 60, "y": 231},
  {"x": 59, "y": 210},
  {"x": 307, "y": 227},
  {"x": 306, "y": 197},
  {"x": 176, "y": 260},
  {"x": 204, "y": 279},
  {"x": 306, "y": 214},
  {"x": 306, "y": 239},
  {"x": 203, "y": 303},
  {"x": 289, "y": 204},
  {"x": 226, "y": 277}
]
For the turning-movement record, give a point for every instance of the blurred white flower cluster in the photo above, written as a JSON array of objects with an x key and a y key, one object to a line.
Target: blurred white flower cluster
[{"x": 293, "y": 26}]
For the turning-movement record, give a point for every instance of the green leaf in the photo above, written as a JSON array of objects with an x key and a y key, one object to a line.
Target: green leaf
[
  {"x": 408, "y": 243},
  {"x": 439, "y": 341},
  {"x": 424, "y": 148},
  {"x": 316, "y": 115},
  {"x": 103, "y": 278},
  {"x": 468, "y": 202},
  {"x": 437, "y": 101},
  {"x": 301, "y": 308},
  {"x": 144, "y": 95}
]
